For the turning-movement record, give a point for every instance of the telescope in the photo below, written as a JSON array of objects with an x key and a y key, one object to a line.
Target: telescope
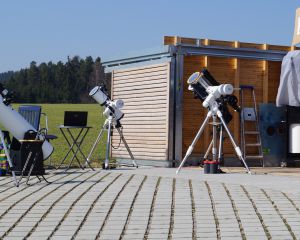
[
  {"x": 15, "y": 123},
  {"x": 113, "y": 116},
  {"x": 101, "y": 96},
  {"x": 215, "y": 97},
  {"x": 210, "y": 91}
]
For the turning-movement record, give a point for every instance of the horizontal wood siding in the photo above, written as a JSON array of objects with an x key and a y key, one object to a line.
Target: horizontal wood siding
[{"x": 145, "y": 91}]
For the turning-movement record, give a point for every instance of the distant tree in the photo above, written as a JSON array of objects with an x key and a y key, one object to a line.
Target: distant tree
[
  {"x": 56, "y": 83},
  {"x": 6, "y": 75}
]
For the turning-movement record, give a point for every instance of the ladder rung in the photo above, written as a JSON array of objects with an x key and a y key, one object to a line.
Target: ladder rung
[
  {"x": 251, "y": 132},
  {"x": 253, "y": 144},
  {"x": 254, "y": 157}
]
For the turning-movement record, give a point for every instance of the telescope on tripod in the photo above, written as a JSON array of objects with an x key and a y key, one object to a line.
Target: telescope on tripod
[
  {"x": 215, "y": 97},
  {"x": 13, "y": 122},
  {"x": 113, "y": 116}
]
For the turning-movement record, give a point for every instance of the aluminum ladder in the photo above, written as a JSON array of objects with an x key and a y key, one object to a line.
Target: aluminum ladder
[{"x": 250, "y": 134}]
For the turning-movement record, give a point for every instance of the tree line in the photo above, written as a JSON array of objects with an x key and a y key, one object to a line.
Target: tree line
[
  {"x": 60, "y": 82},
  {"x": 6, "y": 75}
]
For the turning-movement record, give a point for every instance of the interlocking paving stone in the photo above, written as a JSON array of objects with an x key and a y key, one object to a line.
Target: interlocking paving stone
[{"x": 83, "y": 204}]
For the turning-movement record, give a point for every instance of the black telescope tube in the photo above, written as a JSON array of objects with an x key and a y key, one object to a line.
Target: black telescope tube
[
  {"x": 208, "y": 78},
  {"x": 199, "y": 91}
]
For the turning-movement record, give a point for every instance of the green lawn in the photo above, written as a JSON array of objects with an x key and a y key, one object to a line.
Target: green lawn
[{"x": 55, "y": 113}]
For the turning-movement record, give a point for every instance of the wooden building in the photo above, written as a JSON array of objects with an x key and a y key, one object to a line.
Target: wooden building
[{"x": 161, "y": 114}]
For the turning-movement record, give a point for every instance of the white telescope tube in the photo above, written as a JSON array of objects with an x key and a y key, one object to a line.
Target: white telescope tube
[
  {"x": 98, "y": 95},
  {"x": 215, "y": 92},
  {"x": 18, "y": 126}
]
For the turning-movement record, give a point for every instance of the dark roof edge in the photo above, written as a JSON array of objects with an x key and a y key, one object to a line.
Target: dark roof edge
[{"x": 215, "y": 51}]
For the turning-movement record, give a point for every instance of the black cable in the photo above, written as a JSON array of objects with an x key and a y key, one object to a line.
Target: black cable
[{"x": 121, "y": 132}]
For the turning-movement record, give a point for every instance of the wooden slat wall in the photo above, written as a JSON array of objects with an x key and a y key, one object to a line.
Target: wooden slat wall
[{"x": 145, "y": 91}]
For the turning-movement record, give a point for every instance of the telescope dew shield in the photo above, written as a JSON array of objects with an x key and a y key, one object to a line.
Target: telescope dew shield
[
  {"x": 18, "y": 126},
  {"x": 98, "y": 95},
  {"x": 196, "y": 87}
]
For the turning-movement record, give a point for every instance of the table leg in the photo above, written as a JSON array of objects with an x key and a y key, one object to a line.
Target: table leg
[
  {"x": 71, "y": 146},
  {"x": 24, "y": 168},
  {"x": 78, "y": 143},
  {"x": 75, "y": 140}
]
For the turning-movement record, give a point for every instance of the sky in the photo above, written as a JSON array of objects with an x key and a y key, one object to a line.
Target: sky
[{"x": 52, "y": 30}]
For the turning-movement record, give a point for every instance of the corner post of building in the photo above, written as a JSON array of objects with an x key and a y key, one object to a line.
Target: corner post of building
[
  {"x": 236, "y": 66},
  {"x": 265, "y": 77},
  {"x": 206, "y": 130},
  {"x": 172, "y": 110},
  {"x": 178, "y": 89}
]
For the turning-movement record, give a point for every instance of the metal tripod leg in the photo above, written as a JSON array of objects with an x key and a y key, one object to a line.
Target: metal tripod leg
[
  {"x": 208, "y": 149},
  {"x": 236, "y": 147},
  {"x": 220, "y": 144},
  {"x": 106, "y": 161},
  {"x": 214, "y": 140},
  {"x": 191, "y": 147},
  {"x": 220, "y": 155},
  {"x": 127, "y": 147},
  {"x": 93, "y": 148},
  {"x": 9, "y": 159}
]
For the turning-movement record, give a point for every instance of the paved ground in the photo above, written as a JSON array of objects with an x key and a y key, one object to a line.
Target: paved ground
[{"x": 151, "y": 203}]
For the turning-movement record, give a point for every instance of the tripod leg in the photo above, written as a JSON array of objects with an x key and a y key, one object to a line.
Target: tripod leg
[
  {"x": 9, "y": 159},
  {"x": 127, "y": 147},
  {"x": 236, "y": 147},
  {"x": 214, "y": 140},
  {"x": 31, "y": 168},
  {"x": 208, "y": 149},
  {"x": 94, "y": 146},
  {"x": 191, "y": 147},
  {"x": 220, "y": 156},
  {"x": 106, "y": 161}
]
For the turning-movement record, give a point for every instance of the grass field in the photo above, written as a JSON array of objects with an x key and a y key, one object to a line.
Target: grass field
[{"x": 55, "y": 113}]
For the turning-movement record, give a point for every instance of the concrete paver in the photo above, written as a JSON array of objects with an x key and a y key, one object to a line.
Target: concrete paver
[{"x": 151, "y": 204}]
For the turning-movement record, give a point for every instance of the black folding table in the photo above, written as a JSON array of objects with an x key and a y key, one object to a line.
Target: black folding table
[{"x": 74, "y": 136}]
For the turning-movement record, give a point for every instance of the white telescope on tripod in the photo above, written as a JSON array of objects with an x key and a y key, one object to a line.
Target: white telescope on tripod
[
  {"x": 113, "y": 116},
  {"x": 214, "y": 97},
  {"x": 18, "y": 126}
]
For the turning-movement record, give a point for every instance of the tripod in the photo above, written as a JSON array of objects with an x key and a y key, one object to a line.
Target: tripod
[
  {"x": 215, "y": 113},
  {"x": 217, "y": 128},
  {"x": 8, "y": 159},
  {"x": 108, "y": 125}
]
